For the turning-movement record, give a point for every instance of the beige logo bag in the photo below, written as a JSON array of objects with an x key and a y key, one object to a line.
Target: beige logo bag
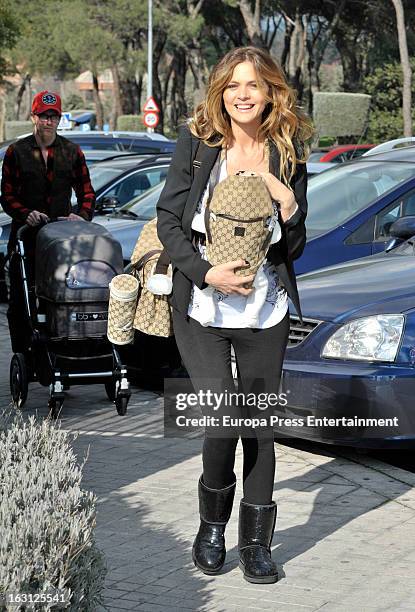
[
  {"x": 123, "y": 299},
  {"x": 237, "y": 220},
  {"x": 150, "y": 264}
]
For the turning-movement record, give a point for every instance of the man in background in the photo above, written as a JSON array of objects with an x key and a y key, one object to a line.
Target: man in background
[{"x": 38, "y": 175}]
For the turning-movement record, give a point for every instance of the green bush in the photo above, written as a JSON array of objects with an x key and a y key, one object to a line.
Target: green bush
[
  {"x": 17, "y": 128},
  {"x": 73, "y": 101},
  {"x": 46, "y": 519},
  {"x": 385, "y": 86},
  {"x": 130, "y": 123},
  {"x": 340, "y": 114}
]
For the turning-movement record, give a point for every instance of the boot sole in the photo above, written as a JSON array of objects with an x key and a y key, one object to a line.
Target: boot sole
[
  {"x": 208, "y": 572},
  {"x": 258, "y": 579}
]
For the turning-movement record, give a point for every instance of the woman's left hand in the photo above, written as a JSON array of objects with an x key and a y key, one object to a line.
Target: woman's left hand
[{"x": 280, "y": 193}]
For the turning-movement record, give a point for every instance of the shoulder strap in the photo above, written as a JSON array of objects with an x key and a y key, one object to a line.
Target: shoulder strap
[{"x": 213, "y": 181}]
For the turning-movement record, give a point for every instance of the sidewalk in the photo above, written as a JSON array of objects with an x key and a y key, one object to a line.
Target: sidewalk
[{"x": 345, "y": 529}]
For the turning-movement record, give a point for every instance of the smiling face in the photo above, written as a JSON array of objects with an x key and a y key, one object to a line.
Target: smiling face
[{"x": 243, "y": 97}]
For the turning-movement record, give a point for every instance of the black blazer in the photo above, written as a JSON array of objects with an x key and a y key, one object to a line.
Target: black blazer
[{"x": 176, "y": 207}]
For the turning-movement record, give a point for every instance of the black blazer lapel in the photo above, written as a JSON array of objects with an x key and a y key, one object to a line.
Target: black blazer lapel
[
  {"x": 202, "y": 165},
  {"x": 274, "y": 159}
]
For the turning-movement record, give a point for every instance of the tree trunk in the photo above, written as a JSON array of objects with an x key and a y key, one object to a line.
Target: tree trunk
[
  {"x": 99, "y": 111},
  {"x": 117, "y": 109},
  {"x": 130, "y": 96},
  {"x": 2, "y": 116},
  {"x": 252, "y": 22},
  {"x": 289, "y": 28},
  {"x": 297, "y": 53},
  {"x": 19, "y": 97},
  {"x": 178, "y": 100},
  {"x": 159, "y": 43},
  {"x": 406, "y": 68},
  {"x": 350, "y": 59},
  {"x": 29, "y": 97}
]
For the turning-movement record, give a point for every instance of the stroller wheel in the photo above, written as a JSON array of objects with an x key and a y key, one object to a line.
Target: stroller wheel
[
  {"x": 110, "y": 390},
  {"x": 121, "y": 403},
  {"x": 18, "y": 380}
]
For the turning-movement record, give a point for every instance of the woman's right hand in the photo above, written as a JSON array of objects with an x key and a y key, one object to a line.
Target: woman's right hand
[{"x": 223, "y": 278}]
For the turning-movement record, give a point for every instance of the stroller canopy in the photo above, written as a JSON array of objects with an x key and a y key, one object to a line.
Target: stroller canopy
[{"x": 75, "y": 261}]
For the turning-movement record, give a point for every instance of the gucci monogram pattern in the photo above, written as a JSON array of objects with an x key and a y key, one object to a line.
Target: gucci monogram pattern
[
  {"x": 124, "y": 283},
  {"x": 243, "y": 199},
  {"x": 121, "y": 311},
  {"x": 148, "y": 241},
  {"x": 153, "y": 314}
]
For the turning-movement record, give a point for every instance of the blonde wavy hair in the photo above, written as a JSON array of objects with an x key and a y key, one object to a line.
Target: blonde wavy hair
[{"x": 282, "y": 120}]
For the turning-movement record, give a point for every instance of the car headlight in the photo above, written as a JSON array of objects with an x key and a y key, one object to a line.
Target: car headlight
[{"x": 374, "y": 338}]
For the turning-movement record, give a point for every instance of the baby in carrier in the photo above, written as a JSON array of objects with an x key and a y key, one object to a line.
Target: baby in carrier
[{"x": 240, "y": 221}]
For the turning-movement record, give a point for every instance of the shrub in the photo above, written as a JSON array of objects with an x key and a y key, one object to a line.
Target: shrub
[
  {"x": 340, "y": 114},
  {"x": 130, "y": 123},
  {"x": 46, "y": 519},
  {"x": 17, "y": 128},
  {"x": 385, "y": 86}
]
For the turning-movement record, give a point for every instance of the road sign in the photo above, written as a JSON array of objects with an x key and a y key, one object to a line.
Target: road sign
[
  {"x": 151, "y": 120},
  {"x": 65, "y": 122},
  {"x": 151, "y": 106}
]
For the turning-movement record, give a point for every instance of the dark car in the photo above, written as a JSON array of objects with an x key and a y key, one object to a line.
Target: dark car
[
  {"x": 119, "y": 180},
  {"x": 126, "y": 223},
  {"x": 352, "y": 207},
  {"x": 353, "y": 357},
  {"x": 133, "y": 142},
  {"x": 141, "y": 143}
]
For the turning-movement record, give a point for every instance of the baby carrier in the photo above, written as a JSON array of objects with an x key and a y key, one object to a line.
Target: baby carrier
[{"x": 238, "y": 217}]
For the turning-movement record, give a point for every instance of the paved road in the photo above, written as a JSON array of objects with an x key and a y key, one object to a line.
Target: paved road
[{"x": 345, "y": 529}]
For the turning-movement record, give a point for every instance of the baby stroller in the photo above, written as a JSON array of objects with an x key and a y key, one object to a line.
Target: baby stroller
[{"x": 67, "y": 311}]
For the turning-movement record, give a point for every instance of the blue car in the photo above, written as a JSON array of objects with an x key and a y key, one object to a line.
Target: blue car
[
  {"x": 353, "y": 357},
  {"x": 352, "y": 207}
]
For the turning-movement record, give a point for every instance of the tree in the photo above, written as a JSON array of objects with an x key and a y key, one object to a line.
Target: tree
[
  {"x": 385, "y": 87},
  {"x": 9, "y": 32},
  {"x": 406, "y": 68}
]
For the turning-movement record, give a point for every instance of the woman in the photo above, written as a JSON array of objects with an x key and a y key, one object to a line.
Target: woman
[{"x": 248, "y": 121}]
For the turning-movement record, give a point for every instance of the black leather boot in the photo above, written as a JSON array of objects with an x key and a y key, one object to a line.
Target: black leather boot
[
  {"x": 256, "y": 528},
  {"x": 215, "y": 507}
]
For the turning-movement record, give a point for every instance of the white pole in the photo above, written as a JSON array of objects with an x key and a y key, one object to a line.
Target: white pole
[{"x": 150, "y": 55}]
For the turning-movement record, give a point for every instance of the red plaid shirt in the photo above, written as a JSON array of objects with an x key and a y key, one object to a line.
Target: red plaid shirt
[{"x": 11, "y": 178}]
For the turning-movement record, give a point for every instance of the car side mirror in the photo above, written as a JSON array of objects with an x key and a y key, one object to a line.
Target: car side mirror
[
  {"x": 401, "y": 230},
  {"x": 107, "y": 204}
]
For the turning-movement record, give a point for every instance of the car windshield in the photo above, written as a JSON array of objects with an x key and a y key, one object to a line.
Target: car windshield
[
  {"x": 145, "y": 205},
  {"x": 101, "y": 175},
  {"x": 335, "y": 195}
]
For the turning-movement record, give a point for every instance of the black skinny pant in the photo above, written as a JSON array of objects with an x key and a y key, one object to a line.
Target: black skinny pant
[{"x": 206, "y": 354}]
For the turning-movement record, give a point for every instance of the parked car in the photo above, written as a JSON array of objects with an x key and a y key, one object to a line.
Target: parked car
[
  {"x": 118, "y": 180},
  {"x": 339, "y": 153},
  {"x": 94, "y": 156},
  {"x": 317, "y": 167},
  {"x": 354, "y": 353},
  {"x": 126, "y": 223},
  {"x": 352, "y": 206},
  {"x": 391, "y": 145},
  {"x": 134, "y": 142}
]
